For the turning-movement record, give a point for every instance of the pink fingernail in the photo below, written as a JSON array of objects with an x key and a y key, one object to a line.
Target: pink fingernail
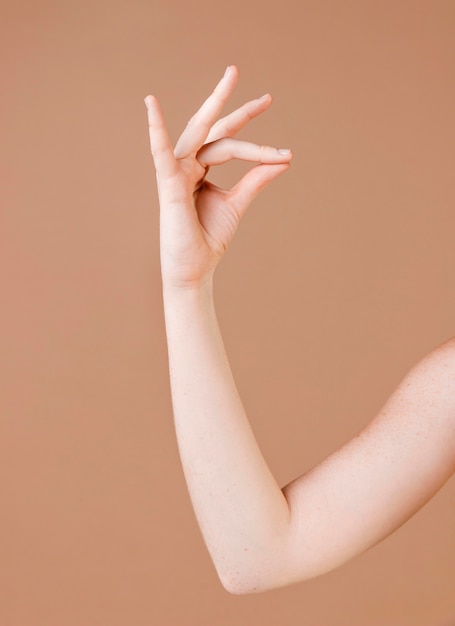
[
  {"x": 228, "y": 69},
  {"x": 284, "y": 150}
]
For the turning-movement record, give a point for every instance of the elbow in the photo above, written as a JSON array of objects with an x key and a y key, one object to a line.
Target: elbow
[
  {"x": 259, "y": 576},
  {"x": 254, "y": 579},
  {"x": 234, "y": 581},
  {"x": 262, "y": 566},
  {"x": 247, "y": 585},
  {"x": 235, "y": 589},
  {"x": 238, "y": 585}
]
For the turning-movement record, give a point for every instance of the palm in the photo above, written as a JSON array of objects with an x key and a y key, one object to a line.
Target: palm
[
  {"x": 197, "y": 228},
  {"x": 217, "y": 217}
]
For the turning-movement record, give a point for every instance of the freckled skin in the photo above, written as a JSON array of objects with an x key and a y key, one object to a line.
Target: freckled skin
[{"x": 261, "y": 536}]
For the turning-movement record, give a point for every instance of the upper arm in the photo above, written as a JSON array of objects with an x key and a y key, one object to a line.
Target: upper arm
[{"x": 370, "y": 486}]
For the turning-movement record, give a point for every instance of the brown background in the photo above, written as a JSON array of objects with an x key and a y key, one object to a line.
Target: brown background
[{"x": 339, "y": 279}]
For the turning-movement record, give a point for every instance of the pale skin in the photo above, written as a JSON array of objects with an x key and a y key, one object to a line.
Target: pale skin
[{"x": 262, "y": 536}]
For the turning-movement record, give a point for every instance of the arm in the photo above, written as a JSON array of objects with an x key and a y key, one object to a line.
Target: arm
[{"x": 260, "y": 536}]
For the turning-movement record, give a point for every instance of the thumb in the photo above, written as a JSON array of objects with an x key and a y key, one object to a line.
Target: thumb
[{"x": 254, "y": 181}]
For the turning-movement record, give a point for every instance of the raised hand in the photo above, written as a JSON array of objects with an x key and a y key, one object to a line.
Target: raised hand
[{"x": 198, "y": 219}]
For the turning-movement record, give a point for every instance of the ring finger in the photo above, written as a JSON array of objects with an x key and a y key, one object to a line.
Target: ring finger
[{"x": 230, "y": 125}]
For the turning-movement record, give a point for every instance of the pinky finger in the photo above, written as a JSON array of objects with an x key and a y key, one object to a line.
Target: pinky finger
[
  {"x": 160, "y": 144},
  {"x": 254, "y": 181}
]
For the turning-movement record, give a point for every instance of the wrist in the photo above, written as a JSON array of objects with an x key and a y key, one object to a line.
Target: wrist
[
  {"x": 188, "y": 306},
  {"x": 181, "y": 289}
]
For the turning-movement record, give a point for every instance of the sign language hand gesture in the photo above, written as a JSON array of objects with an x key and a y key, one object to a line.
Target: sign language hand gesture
[{"x": 198, "y": 220}]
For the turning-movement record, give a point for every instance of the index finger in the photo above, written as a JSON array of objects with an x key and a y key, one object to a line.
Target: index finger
[
  {"x": 160, "y": 144},
  {"x": 199, "y": 126}
]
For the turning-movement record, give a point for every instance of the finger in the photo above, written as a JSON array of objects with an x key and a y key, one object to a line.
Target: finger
[
  {"x": 202, "y": 121},
  {"x": 244, "y": 192},
  {"x": 160, "y": 144},
  {"x": 231, "y": 124},
  {"x": 226, "y": 149}
]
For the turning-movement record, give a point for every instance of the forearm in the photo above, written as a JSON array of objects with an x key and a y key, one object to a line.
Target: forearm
[{"x": 241, "y": 510}]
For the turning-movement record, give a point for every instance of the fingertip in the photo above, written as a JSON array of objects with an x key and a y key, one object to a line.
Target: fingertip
[
  {"x": 284, "y": 156},
  {"x": 265, "y": 101},
  {"x": 284, "y": 166},
  {"x": 231, "y": 70},
  {"x": 151, "y": 102},
  {"x": 280, "y": 168}
]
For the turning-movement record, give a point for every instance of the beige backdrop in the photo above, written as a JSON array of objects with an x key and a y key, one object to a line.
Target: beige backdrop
[{"x": 339, "y": 280}]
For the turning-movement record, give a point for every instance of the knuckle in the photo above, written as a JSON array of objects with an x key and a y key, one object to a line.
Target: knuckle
[
  {"x": 228, "y": 146},
  {"x": 156, "y": 150},
  {"x": 249, "y": 112}
]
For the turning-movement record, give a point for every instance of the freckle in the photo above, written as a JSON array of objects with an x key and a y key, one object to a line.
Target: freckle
[{"x": 246, "y": 549}]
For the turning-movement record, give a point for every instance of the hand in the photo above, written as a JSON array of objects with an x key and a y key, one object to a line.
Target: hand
[{"x": 198, "y": 220}]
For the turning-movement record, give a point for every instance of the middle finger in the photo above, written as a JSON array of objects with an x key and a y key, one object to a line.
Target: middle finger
[{"x": 202, "y": 121}]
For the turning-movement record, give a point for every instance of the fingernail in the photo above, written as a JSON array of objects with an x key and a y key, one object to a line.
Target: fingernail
[
  {"x": 147, "y": 102},
  {"x": 264, "y": 97},
  {"x": 284, "y": 150},
  {"x": 228, "y": 69}
]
